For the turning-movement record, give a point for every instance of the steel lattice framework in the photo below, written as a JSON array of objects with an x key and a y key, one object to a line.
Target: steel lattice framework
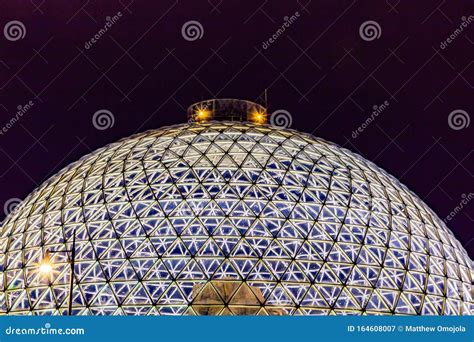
[{"x": 297, "y": 224}]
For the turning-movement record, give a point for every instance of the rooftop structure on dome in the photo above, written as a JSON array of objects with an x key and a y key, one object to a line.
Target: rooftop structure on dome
[{"x": 227, "y": 110}]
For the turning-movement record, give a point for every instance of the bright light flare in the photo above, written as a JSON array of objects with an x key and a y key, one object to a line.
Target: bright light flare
[
  {"x": 259, "y": 117},
  {"x": 46, "y": 265},
  {"x": 203, "y": 114},
  {"x": 46, "y": 268}
]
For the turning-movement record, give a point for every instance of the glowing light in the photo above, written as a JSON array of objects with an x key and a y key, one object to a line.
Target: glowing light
[
  {"x": 202, "y": 114},
  {"x": 46, "y": 266},
  {"x": 258, "y": 117}
]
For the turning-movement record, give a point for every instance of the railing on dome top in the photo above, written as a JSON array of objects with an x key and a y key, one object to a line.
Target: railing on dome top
[{"x": 227, "y": 110}]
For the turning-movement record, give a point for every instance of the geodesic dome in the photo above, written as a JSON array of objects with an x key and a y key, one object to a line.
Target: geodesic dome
[{"x": 230, "y": 218}]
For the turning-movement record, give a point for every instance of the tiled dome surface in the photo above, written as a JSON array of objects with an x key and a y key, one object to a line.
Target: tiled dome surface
[{"x": 301, "y": 225}]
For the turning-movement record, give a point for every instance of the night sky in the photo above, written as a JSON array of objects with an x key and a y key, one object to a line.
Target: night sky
[{"x": 61, "y": 65}]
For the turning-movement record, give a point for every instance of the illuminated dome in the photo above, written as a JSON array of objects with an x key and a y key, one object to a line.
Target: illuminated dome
[{"x": 230, "y": 218}]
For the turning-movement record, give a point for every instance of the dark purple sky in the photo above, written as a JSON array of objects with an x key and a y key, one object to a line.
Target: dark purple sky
[{"x": 320, "y": 70}]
